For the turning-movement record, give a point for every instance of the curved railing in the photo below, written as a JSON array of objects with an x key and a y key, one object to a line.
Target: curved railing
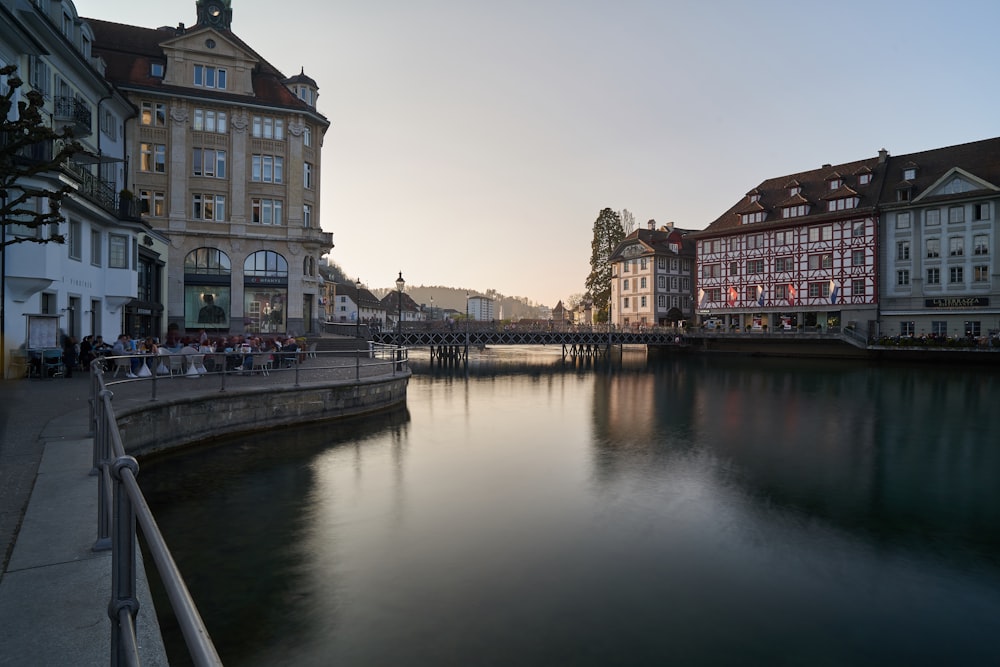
[
  {"x": 234, "y": 368},
  {"x": 121, "y": 504}
]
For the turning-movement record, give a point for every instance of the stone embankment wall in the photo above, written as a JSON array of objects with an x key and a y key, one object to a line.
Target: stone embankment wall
[{"x": 177, "y": 422}]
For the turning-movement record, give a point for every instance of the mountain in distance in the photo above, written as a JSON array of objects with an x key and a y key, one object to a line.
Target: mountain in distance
[{"x": 512, "y": 307}]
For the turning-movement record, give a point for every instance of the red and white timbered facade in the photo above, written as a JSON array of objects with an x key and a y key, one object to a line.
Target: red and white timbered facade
[{"x": 799, "y": 250}]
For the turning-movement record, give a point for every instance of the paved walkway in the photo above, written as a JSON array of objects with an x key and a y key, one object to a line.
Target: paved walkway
[{"x": 54, "y": 590}]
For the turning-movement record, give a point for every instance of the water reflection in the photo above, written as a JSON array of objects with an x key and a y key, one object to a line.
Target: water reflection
[{"x": 532, "y": 510}]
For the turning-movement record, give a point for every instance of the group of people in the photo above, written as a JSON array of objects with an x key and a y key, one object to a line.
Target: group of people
[{"x": 79, "y": 355}]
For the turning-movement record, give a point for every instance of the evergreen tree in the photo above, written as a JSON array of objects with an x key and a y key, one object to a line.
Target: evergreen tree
[
  {"x": 24, "y": 152},
  {"x": 608, "y": 233}
]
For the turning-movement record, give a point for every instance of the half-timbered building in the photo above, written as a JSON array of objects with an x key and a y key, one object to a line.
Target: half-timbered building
[{"x": 799, "y": 250}]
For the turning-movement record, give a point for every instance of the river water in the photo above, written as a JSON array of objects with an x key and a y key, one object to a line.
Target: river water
[{"x": 708, "y": 510}]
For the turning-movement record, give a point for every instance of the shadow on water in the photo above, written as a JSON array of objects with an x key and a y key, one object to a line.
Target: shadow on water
[{"x": 222, "y": 528}]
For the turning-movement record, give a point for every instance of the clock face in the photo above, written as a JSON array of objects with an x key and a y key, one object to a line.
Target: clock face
[{"x": 214, "y": 10}]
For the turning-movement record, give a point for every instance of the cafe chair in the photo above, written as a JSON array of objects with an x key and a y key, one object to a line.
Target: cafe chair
[
  {"x": 176, "y": 365},
  {"x": 122, "y": 364},
  {"x": 261, "y": 364},
  {"x": 198, "y": 362},
  {"x": 18, "y": 366},
  {"x": 52, "y": 363}
]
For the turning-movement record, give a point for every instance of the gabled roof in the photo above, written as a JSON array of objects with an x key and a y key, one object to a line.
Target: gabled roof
[
  {"x": 656, "y": 242},
  {"x": 129, "y": 50},
  {"x": 391, "y": 305},
  {"x": 815, "y": 190},
  {"x": 975, "y": 164}
]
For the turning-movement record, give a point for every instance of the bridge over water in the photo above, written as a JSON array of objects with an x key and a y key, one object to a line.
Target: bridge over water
[{"x": 455, "y": 342}]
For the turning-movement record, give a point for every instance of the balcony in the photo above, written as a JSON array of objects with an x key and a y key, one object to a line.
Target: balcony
[
  {"x": 101, "y": 192},
  {"x": 40, "y": 151},
  {"x": 73, "y": 114}
]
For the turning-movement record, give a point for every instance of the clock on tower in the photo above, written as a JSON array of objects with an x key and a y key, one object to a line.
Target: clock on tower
[{"x": 215, "y": 13}]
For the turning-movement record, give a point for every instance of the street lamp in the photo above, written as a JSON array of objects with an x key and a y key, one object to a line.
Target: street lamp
[
  {"x": 432, "y": 309},
  {"x": 357, "y": 305},
  {"x": 400, "y": 284},
  {"x": 357, "y": 327}
]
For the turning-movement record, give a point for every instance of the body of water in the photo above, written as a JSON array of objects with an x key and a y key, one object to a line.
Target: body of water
[{"x": 704, "y": 510}]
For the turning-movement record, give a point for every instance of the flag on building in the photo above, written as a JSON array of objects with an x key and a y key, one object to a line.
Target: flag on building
[
  {"x": 834, "y": 292},
  {"x": 733, "y": 295},
  {"x": 791, "y": 294},
  {"x": 702, "y": 298},
  {"x": 760, "y": 295}
]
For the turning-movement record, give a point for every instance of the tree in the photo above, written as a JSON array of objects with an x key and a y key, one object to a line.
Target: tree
[
  {"x": 28, "y": 147},
  {"x": 628, "y": 221},
  {"x": 608, "y": 233}
]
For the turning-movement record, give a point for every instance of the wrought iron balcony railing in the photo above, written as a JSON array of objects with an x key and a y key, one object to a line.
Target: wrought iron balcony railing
[{"x": 75, "y": 112}]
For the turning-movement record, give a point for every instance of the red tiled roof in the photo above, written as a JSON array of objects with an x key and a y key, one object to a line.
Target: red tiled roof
[
  {"x": 815, "y": 189},
  {"x": 129, "y": 50}
]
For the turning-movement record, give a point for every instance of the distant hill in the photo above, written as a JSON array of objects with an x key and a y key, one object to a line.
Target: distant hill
[{"x": 513, "y": 307}]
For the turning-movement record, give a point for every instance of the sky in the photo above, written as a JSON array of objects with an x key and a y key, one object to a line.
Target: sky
[{"x": 473, "y": 144}]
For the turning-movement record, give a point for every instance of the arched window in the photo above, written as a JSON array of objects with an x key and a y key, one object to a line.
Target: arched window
[
  {"x": 265, "y": 292},
  {"x": 207, "y": 289},
  {"x": 266, "y": 263},
  {"x": 207, "y": 261}
]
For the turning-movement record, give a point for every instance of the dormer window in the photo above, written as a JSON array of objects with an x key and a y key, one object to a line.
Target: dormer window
[
  {"x": 835, "y": 183},
  {"x": 843, "y": 203},
  {"x": 794, "y": 190},
  {"x": 864, "y": 179},
  {"x": 794, "y": 211},
  {"x": 749, "y": 218},
  {"x": 909, "y": 173},
  {"x": 903, "y": 194},
  {"x": 210, "y": 77},
  {"x": 156, "y": 70}
]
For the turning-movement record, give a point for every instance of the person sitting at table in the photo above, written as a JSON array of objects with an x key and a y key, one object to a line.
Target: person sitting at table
[{"x": 122, "y": 347}]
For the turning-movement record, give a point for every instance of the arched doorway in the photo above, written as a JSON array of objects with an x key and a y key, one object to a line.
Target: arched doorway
[{"x": 265, "y": 292}]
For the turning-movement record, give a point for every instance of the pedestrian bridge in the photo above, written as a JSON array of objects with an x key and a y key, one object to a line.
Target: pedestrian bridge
[{"x": 584, "y": 341}]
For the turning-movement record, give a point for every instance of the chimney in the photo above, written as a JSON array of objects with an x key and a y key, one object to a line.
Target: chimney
[
  {"x": 180, "y": 28},
  {"x": 651, "y": 225},
  {"x": 882, "y": 155}
]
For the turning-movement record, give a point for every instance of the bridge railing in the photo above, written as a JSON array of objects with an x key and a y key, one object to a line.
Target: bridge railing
[{"x": 120, "y": 505}]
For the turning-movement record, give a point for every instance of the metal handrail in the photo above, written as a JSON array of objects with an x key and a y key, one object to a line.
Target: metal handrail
[
  {"x": 378, "y": 359},
  {"x": 121, "y": 505}
]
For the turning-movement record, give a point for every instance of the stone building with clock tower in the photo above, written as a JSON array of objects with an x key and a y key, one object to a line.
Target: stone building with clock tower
[{"x": 225, "y": 162}]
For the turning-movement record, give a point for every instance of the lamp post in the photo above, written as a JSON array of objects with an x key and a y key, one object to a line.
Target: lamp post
[
  {"x": 432, "y": 309},
  {"x": 357, "y": 327},
  {"x": 357, "y": 306},
  {"x": 400, "y": 284}
]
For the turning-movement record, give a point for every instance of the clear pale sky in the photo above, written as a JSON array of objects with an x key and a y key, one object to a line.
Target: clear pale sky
[{"x": 474, "y": 143}]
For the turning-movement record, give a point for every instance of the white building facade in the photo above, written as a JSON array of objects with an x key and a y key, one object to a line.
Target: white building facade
[{"x": 84, "y": 285}]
